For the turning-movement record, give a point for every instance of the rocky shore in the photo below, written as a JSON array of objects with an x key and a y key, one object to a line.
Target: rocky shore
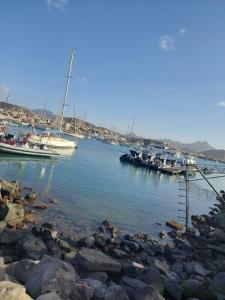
[{"x": 36, "y": 262}]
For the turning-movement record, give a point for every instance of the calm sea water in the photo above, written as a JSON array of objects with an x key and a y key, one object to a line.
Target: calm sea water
[{"x": 92, "y": 185}]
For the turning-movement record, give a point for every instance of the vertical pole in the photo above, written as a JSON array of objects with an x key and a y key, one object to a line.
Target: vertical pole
[
  {"x": 187, "y": 199},
  {"x": 67, "y": 87}
]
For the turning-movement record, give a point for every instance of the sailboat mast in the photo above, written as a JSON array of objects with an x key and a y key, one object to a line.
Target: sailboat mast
[
  {"x": 74, "y": 111},
  {"x": 66, "y": 90}
]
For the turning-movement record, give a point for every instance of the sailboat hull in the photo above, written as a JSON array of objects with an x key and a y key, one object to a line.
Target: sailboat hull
[{"x": 53, "y": 142}]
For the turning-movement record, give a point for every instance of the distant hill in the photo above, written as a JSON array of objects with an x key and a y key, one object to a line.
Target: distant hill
[
  {"x": 198, "y": 146},
  {"x": 215, "y": 154},
  {"x": 44, "y": 112},
  {"x": 8, "y": 106}
]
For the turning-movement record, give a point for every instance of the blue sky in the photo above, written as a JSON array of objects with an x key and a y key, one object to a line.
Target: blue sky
[{"x": 160, "y": 62}]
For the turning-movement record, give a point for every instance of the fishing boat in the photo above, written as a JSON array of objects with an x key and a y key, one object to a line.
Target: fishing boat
[{"x": 52, "y": 140}]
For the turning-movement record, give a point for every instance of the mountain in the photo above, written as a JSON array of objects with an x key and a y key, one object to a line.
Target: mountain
[
  {"x": 44, "y": 112},
  {"x": 215, "y": 154},
  {"x": 198, "y": 146}
]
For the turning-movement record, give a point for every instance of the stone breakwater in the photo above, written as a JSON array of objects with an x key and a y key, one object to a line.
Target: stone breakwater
[{"x": 36, "y": 262}]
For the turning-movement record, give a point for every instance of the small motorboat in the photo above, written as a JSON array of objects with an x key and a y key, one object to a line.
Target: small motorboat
[{"x": 9, "y": 145}]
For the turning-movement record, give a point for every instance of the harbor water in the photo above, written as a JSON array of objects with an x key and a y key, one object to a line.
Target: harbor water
[{"x": 91, "y": 185}]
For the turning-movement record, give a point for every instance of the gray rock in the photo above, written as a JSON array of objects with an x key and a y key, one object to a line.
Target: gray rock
[
  {"x": 218, "y": 283},
  {"x": 114, "y": 292},
  {"x": 162, "y": 265},
  {"x": 9, "y": 188},
  {"x": 15, "y": 214},
  {"x": 172, "y": 289},
  {"x": 137, "y": 290},
  {"x": 151, "y": 276},
  {"x": 217, "y": 248},
  {"x": 21, "y": 270},
  {"x": 70, "y": 257},
  {"x": 100, "y": 276},
  {"x": 194, "y": 288},
  {"x": 33, "y": 247},
  {"x": 82, "y": 291},
  {"x": 12, "y": 291},
  {"x": 131, "y": 268},
  {"x": 3, "y": 225},
  {"x": 177, "y": 267},
  {"x": 49, "y": 296},
  {"x": 195, "y": 268},
  {"x": 182, "y": 244},
  {"x": 9, "y": 236},
  {"x": 119, "y": 253},
  {"x": 94, "y": 260},
  {"x": 52, "y": 275},
  {"x": 132, "y": 245}
]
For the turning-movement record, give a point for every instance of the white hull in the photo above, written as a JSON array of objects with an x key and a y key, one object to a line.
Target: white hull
[
  {"x": 13, "y": 149},
  {"x": 79, "y": 136},
  {"x": 54, "y": 142}
]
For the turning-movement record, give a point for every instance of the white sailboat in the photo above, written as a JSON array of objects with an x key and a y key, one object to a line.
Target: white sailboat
[{"x": 48, "y": 138}]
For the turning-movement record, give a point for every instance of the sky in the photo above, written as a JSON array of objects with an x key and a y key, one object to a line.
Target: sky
[{"x": 158, "y": 62}]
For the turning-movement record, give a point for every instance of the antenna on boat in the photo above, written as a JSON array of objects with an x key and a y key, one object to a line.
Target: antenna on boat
[{"x": 66, "y": 90}]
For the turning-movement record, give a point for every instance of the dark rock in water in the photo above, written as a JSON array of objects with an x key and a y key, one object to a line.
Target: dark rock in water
[
  {"x": 182, "y": 244},
  {"x": 31, "y": 196},
  {"x": 137, "y": 290},
  {"x": 107, "y": 224},
  {"x": 13, "y": 291},
  {"x": 52, "y": 275},
  {"x": 218, "y": 284},
  {"x": 49, "y": 296},
  {"x": 21, "y": 270},
  {"x": 32, "y": 247},
  {"x": 88, "y": 241},
  {"x": 132, "y": 245},
  {"x": 94, "y": 260},
  {"x": 113, "y": 292},
  {"x": 163, "y": 234},
  {"x": 46, "y": 231},
  {"x": 119, "y": 253},
  {"x": 131, "y": 268},
  {"x": 41, "y": 206},
  {"x": 173, "y": 289}
]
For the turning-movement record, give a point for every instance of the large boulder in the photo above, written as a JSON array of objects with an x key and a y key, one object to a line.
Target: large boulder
[
  {"x": 137, "y": 290},
  {"x": 151, "y": 276},
  {"x": 193, "y": 288},
  {"x": 113, "y": 292},
  {"x": 32, "y": 247},
  {"x": 15, "y": 215},
  {"x": 172, "y": 289},
  {"x": 131, "y": 268},
  {"x": 94, "y": 260},
  {"x": 52, "y": 275},
  {"x": 13, "y": 291},
  {"x": 21, "y": 270}
]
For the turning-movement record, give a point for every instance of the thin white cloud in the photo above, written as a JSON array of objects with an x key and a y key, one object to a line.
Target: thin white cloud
[
  {"x": 182, "y": 32},
  {"x": 83, "y": 79},
  {"x": 221, "y": 103},
  {"x": 167, "y": 43},
  {"x": 58, "y": 4},
  {"x": 4, "y": 90}
]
